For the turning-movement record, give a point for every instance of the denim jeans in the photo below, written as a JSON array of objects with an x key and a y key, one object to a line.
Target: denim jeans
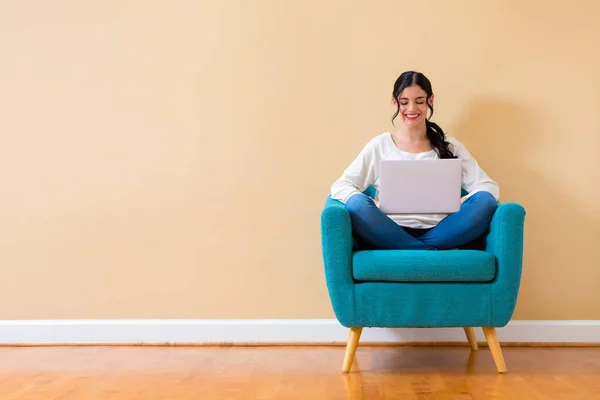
[{"x": 372, "y": 229}]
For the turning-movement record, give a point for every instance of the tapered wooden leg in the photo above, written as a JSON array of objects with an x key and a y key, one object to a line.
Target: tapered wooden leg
[
  {"x": 492, "y": 339},
  {"x": 470, "y": 332},
  {"x": 351, "y": 346}
]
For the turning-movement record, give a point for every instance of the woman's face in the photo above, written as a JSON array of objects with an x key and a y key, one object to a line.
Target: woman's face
[{"x": 413, "y": 105}]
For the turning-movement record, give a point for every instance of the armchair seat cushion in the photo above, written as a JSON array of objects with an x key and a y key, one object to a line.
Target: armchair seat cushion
[{"x": 423, "y": 266}]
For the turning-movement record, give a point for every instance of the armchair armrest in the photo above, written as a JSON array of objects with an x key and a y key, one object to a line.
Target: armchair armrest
[
  {"x": 336, "y": 241},
  {"x": 505, "y": 241}
]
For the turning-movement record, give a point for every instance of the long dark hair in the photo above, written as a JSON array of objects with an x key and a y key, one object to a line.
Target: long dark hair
[{"x": 435, "y": 134}]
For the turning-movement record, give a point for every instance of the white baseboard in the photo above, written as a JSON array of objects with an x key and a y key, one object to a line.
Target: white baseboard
[{"x": 271, "y": 331}]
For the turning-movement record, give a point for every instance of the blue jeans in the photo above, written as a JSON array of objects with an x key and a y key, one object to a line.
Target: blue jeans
[{"x": 372, "y": 229}]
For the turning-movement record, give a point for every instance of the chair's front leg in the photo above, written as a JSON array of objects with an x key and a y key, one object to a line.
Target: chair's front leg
[
  {"x": 351, "y": 346},
  {"x": 492, "y": 339}
]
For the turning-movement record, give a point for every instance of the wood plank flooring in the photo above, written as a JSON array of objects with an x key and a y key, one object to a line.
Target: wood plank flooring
[{"x": 311, "y": 373}]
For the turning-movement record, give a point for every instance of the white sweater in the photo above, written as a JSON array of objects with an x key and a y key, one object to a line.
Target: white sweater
[{"x": 364, "y": 171}]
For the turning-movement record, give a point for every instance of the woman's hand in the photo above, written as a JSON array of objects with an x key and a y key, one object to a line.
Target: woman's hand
[{"x": 462, "y": 199}]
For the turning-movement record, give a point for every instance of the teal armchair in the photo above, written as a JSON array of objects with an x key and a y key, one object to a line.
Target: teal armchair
[{"x": 424, "y": 289}]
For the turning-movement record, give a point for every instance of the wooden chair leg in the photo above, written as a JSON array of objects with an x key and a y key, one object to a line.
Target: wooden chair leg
[
  {"x": 492, "y": 339},
  {"x": 470, "y": 332},
  {"x": 351, "y": 346}
]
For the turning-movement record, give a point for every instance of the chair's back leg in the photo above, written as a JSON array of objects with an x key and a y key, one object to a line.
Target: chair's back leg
[{"x": 470, "y": 332}]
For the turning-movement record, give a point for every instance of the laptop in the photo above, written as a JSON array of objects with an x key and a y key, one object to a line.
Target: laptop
[{"x": 420, "y": 186}]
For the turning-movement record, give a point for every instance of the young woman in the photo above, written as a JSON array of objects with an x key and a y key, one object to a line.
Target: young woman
[{"x": 416, "y": 138}]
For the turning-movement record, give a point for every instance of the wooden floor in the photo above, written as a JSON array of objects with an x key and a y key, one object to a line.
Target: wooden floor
[{"x": 111, "y": 373}]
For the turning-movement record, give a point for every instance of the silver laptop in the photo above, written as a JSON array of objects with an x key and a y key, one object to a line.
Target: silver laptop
[{"x": 420, "y": 186}]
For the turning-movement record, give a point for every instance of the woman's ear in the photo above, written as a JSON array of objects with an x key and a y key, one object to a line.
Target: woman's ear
[
  {"x": 430, "y": 101},
  {"x": 394, "y": 102}
]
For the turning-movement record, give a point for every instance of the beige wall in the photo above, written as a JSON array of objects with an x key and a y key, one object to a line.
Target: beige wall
[{"x": 171, "y": 159}]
